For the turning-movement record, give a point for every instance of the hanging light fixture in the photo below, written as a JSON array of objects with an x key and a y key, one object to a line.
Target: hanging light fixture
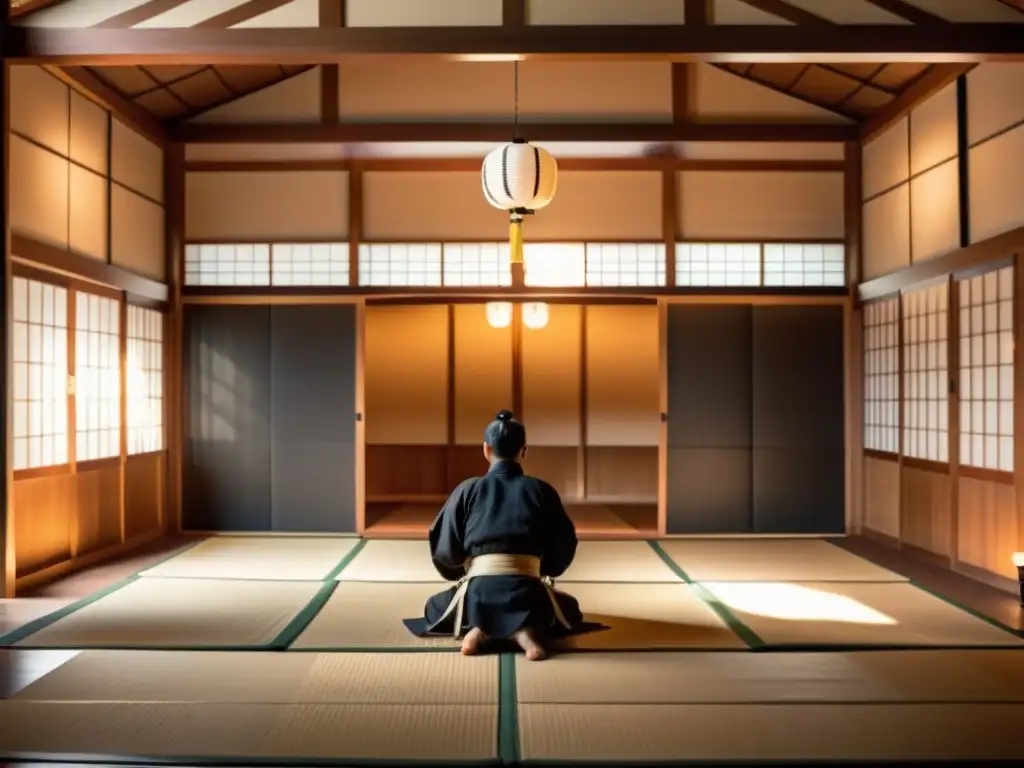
[
  {"x": 519, "y": 178},
  {"x": 499, "y": 314},
  {"x": 535, "y": 315}
]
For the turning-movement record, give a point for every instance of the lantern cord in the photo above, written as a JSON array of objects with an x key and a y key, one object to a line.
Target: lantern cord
[{"x": 515, "y": 86}]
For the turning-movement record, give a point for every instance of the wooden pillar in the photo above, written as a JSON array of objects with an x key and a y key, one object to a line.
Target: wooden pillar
[
  {"x": 175, "y": 399},
  {"x": 854, "y": 339},
  {"x": 7, "y": 564}
]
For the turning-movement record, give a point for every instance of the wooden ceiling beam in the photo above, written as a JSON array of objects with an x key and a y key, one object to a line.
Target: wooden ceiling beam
[
  {"x": 908, "y": 12},
  {"x": 790, "y": 13},
  {"x": 359, "y": 133},
  {"x": 834, "y": 43},
  {"x": 937, "y": 78},
  {"x": 94, "y": 89}
]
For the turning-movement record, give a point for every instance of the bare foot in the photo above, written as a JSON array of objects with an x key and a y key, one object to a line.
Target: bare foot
[
  {"x": 472, "y": 641},
  {"x": 528, "y": 642}
]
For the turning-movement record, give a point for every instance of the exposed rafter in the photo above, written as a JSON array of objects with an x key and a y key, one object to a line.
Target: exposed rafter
[
  {"x": 219, "y": 133},
  {"x": 934, "y": 81},
  {"x": 908, "y": 12},
  {"x": 726, "y": 43},
  {"x": 784, "y": 10},
  {"x": 140, "y": 14}
]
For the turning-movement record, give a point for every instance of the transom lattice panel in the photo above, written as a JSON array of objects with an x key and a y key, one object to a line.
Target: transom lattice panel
[
  {"x": 881, "y": 376},
  {"x": 621, "y": 265},
  {"x": 309, "y": 264},
  {"x": 804, "y": 265},
  {"x": 926, "y": 373},
  {"x": 400, "y": 264},
  {"x": 477, "y": 264},
  {"x": 718, "y": 264},
  {"x": 986, "y": 370},
  {"x": 227, "y": 265},
  {"x": 40, "y": 374}
]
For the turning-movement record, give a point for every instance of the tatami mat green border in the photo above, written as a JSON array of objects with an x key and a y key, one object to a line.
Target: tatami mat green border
[
  {"x": 284, "y": 639},
  {"x": 509, "y": 747},
  {"x": 196, "y": 761},
  {"x": 741, "y": 630}
]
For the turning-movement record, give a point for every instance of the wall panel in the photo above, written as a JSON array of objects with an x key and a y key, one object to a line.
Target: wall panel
[
  {"x": 483, "y": 372},
  {"x": 623, "y": 351},
  {"x": 39, "y": 108},
  {"x": 406, "y": 375},
  {"x": 760, "y": 205},
  {"x": 382, "y": 89},
  {"x": 601, "y": 205},
  {"x": 137, "y": 233},
  {"x": 882, "y": 496},
  {"x": 996, "y": 191},
  {"x": 415, "y": 13},
  {"x": 926, "y": 518},
  {"x": 145, "y": 485},
  {"x": 933, "y": 131},
  {"x": 993, "y": 99},
  {"x": 551, "y": 378},
  {"x": 136, "y": 162},
  {"x": 39, "y": 206},
  {"x": 727, "y": 97},
  {"x": 988, "y": 526},
  {"x": 886, "y": 159},
  {"x": 88, "y": 139},
  {"x": 44, "y": 510},
  {"x": 98, "y": 507},
  {"x": 280, "y": 205},
  {"x": 935, "y": 212},
  {"x": 886, "y": 233},
  {"x": 87, "y": 225}
]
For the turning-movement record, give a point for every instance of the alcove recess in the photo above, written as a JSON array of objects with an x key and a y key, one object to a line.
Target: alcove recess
[{"x": 585, "y": 385}]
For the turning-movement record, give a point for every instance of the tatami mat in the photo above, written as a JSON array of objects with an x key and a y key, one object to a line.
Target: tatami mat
[
  {"x": 283, "y": 558},
  {"x": 392, "y": 561},
  {"x": 181, "y": 613},
  {"x": 785, "y": 732},
  {"x": 621, "y": 561},
  {"x": 270, "y": 678},
  {"x": 369, "y": 615},
  {"x": 853, "y": 613},
  {"x": 750, "y": 678},
  {"x": 645, "y": 616},
  {"x": 771, "y": 560},
  {"x": 456, "y": 732}
]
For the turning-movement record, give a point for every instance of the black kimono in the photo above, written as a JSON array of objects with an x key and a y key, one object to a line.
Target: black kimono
[{"x": 504, "y": 512}]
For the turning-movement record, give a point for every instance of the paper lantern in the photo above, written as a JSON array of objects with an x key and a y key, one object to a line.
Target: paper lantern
[
  {"x": 519, "y": 178},
  {"x": 499, "y": 314},
  {"x": 535, "y": 315}
]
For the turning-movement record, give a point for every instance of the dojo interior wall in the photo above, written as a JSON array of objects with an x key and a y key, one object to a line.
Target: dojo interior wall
[
  {"x": 81, "y": 183},
  {"x": 947, "y": 508}
]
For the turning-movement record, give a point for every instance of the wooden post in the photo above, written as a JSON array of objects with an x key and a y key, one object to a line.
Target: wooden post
[
  {"x": 7, "y": 556},
  {"x": 175, "y": 398}
]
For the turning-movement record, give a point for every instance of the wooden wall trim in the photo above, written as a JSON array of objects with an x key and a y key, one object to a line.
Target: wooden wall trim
[
  {"x": 998, "y": 247},
  {"x": 369, "y": 133},
  {"x": 7, "y": 552},
  {"x": 853, "y": 210},
  {"x": 963, "y": 158},
  {"x": 513, "y": 13},
  {"x": 472, "y": 164},
  {"x": 174, "y": 355},
  {"x": 62, "y": 260},
  {"x": 1018, "y": 396}
]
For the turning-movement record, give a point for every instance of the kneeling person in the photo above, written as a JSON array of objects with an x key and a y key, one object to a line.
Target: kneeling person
[{"x": 503, "y": 537}]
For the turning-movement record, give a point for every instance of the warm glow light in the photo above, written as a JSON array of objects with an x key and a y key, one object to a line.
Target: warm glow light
[
  {"x": 1018, "y": 559},
  {"x": 499, "y": 314},
  {"x": 535, "y": 315},
  {"x": 792, "y": 602}
]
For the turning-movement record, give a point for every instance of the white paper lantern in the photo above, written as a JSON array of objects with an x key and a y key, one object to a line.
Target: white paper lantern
[
  {"x": 499, "y": 314},
  {"x": 535, "y": 315},
  {"x": 519, "y": 177}
]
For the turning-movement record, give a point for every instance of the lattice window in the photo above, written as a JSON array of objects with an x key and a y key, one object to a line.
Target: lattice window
[
  {"x": 477, "y": 264},
  {"x": 881, "y": 376},
  {"x": 616, "y": 265},
  {"x": 145, "y": 380},
  {"x": 400, "y": 264},
  {"x": 97, "y": 377},
  {"x": 718, "y": 264},
  {"x": 227, "y": 265},
  {"x": 309, "y": 264},
  {"x": 925, "y": 374},
  {"x": 986, "y": 370},
  {"x": 555, "y": 265},
  {"x": 804, "y": 265},
  {"x": 40, "y": 374}
]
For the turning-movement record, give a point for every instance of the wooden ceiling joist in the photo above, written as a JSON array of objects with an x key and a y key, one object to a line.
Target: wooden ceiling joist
[
  {"x": 908, "y": 12},
  {"x": 357, "y": 133},
  {"x": 784, "y": 10},
  {"x": 835, "y": 43}
]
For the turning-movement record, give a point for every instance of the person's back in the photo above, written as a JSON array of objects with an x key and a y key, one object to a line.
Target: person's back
[{"x": 503, "y": 537}]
